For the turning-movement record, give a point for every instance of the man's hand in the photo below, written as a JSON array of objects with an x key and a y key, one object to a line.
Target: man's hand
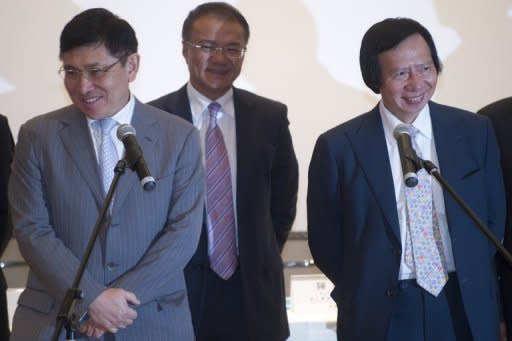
[
  {"x": 503, "y": 331},
  {"x": 110, "y": 311},
  {"x": 90, "y": 331}
]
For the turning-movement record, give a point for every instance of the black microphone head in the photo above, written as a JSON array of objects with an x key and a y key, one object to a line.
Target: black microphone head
[
  {"x": 411, "y": 180},
  {"x": 399, "y": 130},
  {"x": 124, "y": 130}
]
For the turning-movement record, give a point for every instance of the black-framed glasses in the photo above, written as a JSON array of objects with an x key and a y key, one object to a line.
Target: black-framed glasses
[
  {"x": 209, "y": 49},
  {"x": 91, "y": 74}
]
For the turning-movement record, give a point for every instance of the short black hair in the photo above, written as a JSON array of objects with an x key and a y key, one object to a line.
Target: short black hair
[
  {"x": 219, "y": 9},
  {"x": 384, "y": 36},
  {"x": 98, "y": 26}
]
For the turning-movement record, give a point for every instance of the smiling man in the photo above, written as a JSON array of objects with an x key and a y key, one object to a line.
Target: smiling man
[
  {"x": 407, "y": 263},
  {"x": 133, "y": 285},
  {"x": 235, "y": 279}
]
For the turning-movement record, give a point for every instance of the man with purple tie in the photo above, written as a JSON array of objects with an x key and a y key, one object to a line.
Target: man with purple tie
[{"x": 235, "y": 279}]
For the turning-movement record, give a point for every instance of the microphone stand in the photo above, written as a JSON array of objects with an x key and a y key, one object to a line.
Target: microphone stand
[
  {"x": 434, "y": 171},
  {"x": 66, "y": 314}
]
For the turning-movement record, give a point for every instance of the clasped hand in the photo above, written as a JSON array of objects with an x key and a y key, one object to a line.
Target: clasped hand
[{"x": 109, "y": 312}]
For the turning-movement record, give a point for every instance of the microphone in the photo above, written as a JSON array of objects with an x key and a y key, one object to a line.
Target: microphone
[
  {"x": 407, "y": 154},
  {"x": 134, "y": 157}
]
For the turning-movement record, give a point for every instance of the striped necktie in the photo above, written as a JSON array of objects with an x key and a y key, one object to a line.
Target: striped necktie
[
  {"x": 107, "y": 153},
  {"x": 219, "y": 201}
]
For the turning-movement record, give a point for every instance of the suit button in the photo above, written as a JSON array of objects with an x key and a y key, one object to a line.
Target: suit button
[
  {"x": 397, "y": 252},
  {"x": 111, "y": 266},
  {"x": 390, "y": 292},
  {"x": 404, "y": 284}
]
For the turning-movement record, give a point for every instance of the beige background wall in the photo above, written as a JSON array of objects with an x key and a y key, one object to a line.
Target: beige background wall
[{"x": 302, "y": 52}]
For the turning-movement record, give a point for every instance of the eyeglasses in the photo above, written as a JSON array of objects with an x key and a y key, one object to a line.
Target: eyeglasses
[
  {"x": 422, "y": 70},
  {"x": 209, "y": 49},
  {"x": 91, "y": 74}
]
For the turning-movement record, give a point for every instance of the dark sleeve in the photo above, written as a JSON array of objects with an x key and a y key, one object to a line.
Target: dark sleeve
[
  {"x": 6, "y": 154},
  {"x": 500, "y": 114},
  {"x": 285, "y": 179},
  {"x": 324, "y": 207}
]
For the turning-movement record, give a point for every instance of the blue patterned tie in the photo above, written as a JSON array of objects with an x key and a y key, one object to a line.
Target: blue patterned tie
[
  {"x": 424, "y": 251},
  {"x": 219, "y": 201},
  {"x": 107, "y": 153}
]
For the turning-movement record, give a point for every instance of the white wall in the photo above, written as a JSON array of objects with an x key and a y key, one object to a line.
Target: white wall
[{"x": 304, "y": 53}]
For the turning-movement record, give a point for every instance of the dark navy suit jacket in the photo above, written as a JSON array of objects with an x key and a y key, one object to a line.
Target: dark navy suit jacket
[{"x": 354, "y": 234}]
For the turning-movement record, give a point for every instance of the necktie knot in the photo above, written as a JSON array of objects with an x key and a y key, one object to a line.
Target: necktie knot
[
  {"x": 414, "y": 131},
  {"x": 213, "y": 108},
  {"x": 106, "y": 125},
  {"x": 414, "y": 139}
]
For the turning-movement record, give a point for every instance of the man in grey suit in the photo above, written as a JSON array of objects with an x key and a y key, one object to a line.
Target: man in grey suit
[{"x": 134, "y": 287}]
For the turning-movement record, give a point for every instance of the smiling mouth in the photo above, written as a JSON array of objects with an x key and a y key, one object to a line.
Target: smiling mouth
[
  {"x": 415, "y": 99},
  {"x": 218, "y": 71},
  {"x": 91, "y": 100}
]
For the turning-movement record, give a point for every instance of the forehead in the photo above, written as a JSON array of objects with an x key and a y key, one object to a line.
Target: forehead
[
  {"x": 211, "y": 27},
  {"x": 86, "y": 55},
  {"x": 412, "y": 50}
]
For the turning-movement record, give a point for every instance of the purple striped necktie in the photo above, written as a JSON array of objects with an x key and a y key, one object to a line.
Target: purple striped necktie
[{"x": 219, "y": 201}]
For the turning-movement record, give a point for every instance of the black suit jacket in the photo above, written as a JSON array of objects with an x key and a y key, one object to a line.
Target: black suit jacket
[
  {"x": 500, "y": 113},
  {"x": 6, "y": 152},
  {"x": 267, "y": 181}
]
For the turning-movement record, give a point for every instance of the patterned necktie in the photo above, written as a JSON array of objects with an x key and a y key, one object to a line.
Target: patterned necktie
[
  {"x": 219, "y": 201},
  {"x": 424, "y": 251},
  {"x": 107, "y": 153}
]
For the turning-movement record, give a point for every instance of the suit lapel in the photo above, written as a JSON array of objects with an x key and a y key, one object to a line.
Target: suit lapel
[
  {"x": 145, "y": 131},
  {"x": 244, "y": 133},
  {"x": 77, "y": 140},
  {"x": 179, "y": 104},
  {"x": 371, "y": 152},
  {"x": 452, "y": 155},
  {"x": 449, "y": 143}
]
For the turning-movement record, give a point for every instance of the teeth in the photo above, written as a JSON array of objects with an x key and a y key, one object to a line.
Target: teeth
[
  {"x": 91, "y": 100},
  {"x": 414, "y": 99}
]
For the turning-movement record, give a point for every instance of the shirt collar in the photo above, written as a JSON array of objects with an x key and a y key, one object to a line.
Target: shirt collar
[
  {"x": 122, "y": 116},
  {"x": 199, "y": 103},
  {"x": 422, "y": 122}
]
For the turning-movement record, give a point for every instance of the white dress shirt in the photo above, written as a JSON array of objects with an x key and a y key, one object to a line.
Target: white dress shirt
[
  {"x": 426, "y": 144},
  {"x": 124, "y": 116}
]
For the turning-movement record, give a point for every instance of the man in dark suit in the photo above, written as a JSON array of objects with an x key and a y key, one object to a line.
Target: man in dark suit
[
  {"x": 134, "y": 287},
  {"x": 407, "y": 263},
  {"x": 6, "y": 152},
  {"x": 500, "y": 114},
  {"x": 249, "y": 302}
]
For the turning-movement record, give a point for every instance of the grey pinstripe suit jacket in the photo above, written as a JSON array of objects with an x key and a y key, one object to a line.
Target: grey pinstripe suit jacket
[{"x": 55, "y": 194}]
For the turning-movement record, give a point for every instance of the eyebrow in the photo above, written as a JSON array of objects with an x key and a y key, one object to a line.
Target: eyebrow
[
  {"x": 87, "y": 66},
  {"x": 233, "y": 43}
]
